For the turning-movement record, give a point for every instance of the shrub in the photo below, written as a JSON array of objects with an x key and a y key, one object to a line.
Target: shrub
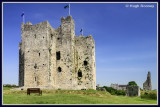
[
  {"x": 149, "y": 95},
  {"x": 9, "y": 85},
  {"x": 90, "y": 90},
  {"x": 110, "y": 89},
  {"x": 141, "y": 89},
  {"x": 114, "y": 91},
  {"x": 133, "y": 83},
  {"x": 120, "y": 92}
]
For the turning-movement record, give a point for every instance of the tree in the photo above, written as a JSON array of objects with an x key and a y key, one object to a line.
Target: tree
[{"x": 133, "y": 83}]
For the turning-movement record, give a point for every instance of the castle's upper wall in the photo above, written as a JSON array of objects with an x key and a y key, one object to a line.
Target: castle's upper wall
[
  {"x": 68, "y": 18},
  {"x": 84, "y": 41},
  {"x": 36, "y": 27},
  {"x": 67, "y": 27},
  {"x": 86, "y": 60}
]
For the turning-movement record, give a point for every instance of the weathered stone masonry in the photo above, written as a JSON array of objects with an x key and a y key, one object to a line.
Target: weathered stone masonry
[
  {"x": 56, "y": 58},
  {"x": 147, "y": 84}
]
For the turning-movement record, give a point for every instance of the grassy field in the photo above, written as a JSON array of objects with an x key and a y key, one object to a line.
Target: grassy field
[{"x": 69, "y": 97}]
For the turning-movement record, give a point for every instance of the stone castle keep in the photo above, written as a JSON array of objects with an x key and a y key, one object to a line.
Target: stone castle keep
[{"x": 56, "y": 58}]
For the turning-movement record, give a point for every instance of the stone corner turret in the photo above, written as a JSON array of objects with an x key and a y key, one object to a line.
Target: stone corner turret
[{"x": 68, "y": 18}]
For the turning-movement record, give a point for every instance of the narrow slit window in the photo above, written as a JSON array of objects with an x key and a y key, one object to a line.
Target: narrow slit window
[
  {"x": 79, "y": 74},
  {"x": 58, "y": 56},
  {"x": 35, "y": 78},
  {"x": 39, "y": 54},
  {"x": 51, "y": 36},
  {"x": 85, "y": 63},
  {"x": 35, "y": 66}
]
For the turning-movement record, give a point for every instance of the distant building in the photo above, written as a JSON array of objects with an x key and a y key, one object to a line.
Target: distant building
[
  {"x": 133, "y": 91},
  {"x": 98, "y": 85},
  {"x": 122, "y": 87},
  {"x": 147, "y": 84},
  {"x": 119, "y": 87}
]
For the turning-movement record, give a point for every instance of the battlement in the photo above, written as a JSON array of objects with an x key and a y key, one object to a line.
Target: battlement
[
  {"x": 40, "y": 26},
  {"x": 68, "y": 18},
  {"x": 84, "y": 39}
]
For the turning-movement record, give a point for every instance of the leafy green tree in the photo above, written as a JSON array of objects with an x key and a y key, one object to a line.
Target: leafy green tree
[{"x": 133, "y": 83}]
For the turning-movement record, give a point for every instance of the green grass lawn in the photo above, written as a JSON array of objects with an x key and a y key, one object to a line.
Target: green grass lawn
[{"x": 69, "y": 97}]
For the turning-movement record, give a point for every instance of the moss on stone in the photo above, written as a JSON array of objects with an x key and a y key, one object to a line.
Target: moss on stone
[
  {"x": 87, "y": 57},
  {"x": 49, "y": 49}
]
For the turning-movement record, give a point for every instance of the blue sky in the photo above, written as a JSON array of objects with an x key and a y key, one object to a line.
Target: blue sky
[{"x": 125, "y": 37}]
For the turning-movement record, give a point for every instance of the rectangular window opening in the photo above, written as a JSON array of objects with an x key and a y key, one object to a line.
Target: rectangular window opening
[{"x": 58, "y": 56}]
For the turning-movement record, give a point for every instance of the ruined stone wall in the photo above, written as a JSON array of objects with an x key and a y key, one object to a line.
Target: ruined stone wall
[
  {"x": 115, "y": 86},
  {"x": 85, "y": 53},
  {"x": 133, "y": 91},
  {"x": 147, "y": 84},
  {"x": 119, "y": 87}
]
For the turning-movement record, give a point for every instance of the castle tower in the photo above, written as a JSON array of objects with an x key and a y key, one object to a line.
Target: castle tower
[
  {"x": 64, "y": 53},
  {"x": 34, "y": 46},
  {"x": 56, "y": 58},
  {"x": 147, "y": 84}
]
